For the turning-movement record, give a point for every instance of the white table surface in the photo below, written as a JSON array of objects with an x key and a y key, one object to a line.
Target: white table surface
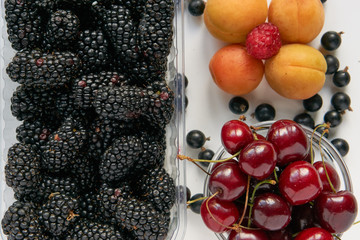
[{"x": 208, "y": 105}]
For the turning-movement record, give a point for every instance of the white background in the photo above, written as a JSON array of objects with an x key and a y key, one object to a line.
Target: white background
[{"x": 208, "y": 105}]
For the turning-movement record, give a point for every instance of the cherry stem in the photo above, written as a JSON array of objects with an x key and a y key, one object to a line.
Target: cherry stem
[
  {"x": 246, "y": 200},
  {"x": 357, "y": 222},
  {"x": 326, "y": 125},
  {"x": 272, "y": 182},
  {"x": 336, "y": 237},
  {"x": 196, "y": 200},
  {"x": 201, "y": 168},
  {"x": 276, "y": 176},
  {"x": 183, "y": 157},
  {"x": 323, "y": 162}
]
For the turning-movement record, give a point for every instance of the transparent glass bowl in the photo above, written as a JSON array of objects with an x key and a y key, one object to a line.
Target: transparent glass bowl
[{"x": 330, "y": 154}]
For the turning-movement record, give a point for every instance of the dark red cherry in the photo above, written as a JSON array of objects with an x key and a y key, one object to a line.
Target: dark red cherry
[
  {"x": 235, "y": 135},
  {"x": 333, "y": 175},
  {"x": 283, "y": 234},
  {"x": 260, "y": 137},
  {"x": 248, "y": 234},
  {"x": 271, "y": 212},
  {"x": 300, "y": 183},
  {"x": 220, "y": 163},
  {"x": 336, "y": 212},
  {"x": 314, "y": 233},
  {"x": 290, "y": 139},
  {"x": 224, "y": 212},
  {"x": 258, "y": 159},
  {"x": 228, "y": 180}
]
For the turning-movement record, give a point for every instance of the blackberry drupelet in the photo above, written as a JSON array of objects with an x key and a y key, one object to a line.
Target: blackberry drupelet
[
  {"x": 45, "y": 70},
  {"x": 157, "y": 187},
  {"x": 24, "y": 24},
  {"x": 64, "y": 145},
  {"x": 22, "y": 171},
  {"x": 20, "y": 221},
  {"x": 59, "y": 214},
  {"x": 118, "y": 160}
]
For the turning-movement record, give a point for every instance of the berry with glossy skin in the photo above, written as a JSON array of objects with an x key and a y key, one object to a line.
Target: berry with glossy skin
[
  {"x": 258, "y": 159},
  {"x": 332, "y": 63},
  {"x": 206, "y": 154},
  {"x": 263, "y": 41},
  {"x": 271, "y": 212},
  {"x": 321, "y": 130},
  {"x": 341, "y": 145},
  {"x": 195, "y": 206},
  {"x": 336, "y": 212},
  {"x": 341, "y": 78},
  {"x": 331, "y": 40},
  {"x": 305, "y": 119},
  {"x": 225, "y": 213},
  {"x": 235, "y": 135},
  {"x": 196, "y": 7},
  {"x": 238, "y": 105},
  {"x": 302, "y": 217},
  {"x": 195, "y": 138},
  {"x": 300, "y": 183},
  {"x": 247, "y": 234},
  {"x": 264, "y": 112},
  {"x": 314, "y": 233},
  {"x": 341, "y": 101},
  {"x": 333, "y": 117},
  {"x": 313, "y": 103},
  {"x": 331, "y": 172}
]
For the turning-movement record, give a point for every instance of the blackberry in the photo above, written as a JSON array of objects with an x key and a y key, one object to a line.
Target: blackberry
[
  {"x": 85, "y": 172},
  {"x": 119, "y": 158},
  {"x": 93, "y": 50},
  {"x": 62, "y": 30},
  {"x": 34, "y": 67},
  {"x": 92, "y": 230},
  {"x": 20, "y": 221},
  {"x": 24, "y": 24},
  {"x": 157, "y": 187},
  {"x": 64, "y": 145},
  {"x": 22, "y": 171},
  {"x": 136, "y": 7},
  {"x": 89, "y": 206},
  {"x": 59, "y": 214}
]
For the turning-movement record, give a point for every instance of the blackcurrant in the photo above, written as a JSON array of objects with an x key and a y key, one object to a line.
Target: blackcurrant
[
  {"x": 321, "y": 130},
  {"x": 186, "y": 101},
  {"x": 332, "y": 63},
  {"x": 195, "y": 139},
  {"x": 331, "y": 40},
  {"x": 195, "y": 206},
  {"x": 188, "y": 194},
  {"x": 323, "y": 1},
  {"x": 178, "y": 81},
  {"x": 180, "y": 189},
  {"x": 305, "y": 119},
  {"x": 341, "y": 78},
  {"x": 264, "y": 112},
  {"x": 333, "y": 117},
  {"x": 313, "y": 103},
  {"x": 340, "y": 101},
  {"x": 196, "y": 7},
  {"x": 238, "y": 105},
  {"x": 341, "y": 145},
  {"x": 206, "y": 154}
]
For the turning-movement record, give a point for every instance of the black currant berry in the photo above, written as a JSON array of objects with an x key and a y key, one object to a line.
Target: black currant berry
[
  {"x": 331, "y": 40},
  {"x": 321, "y": 130},
  {"x": 196, "y": 7},
  {"x": 323, "y": 1},
  {"x": 305, "y": 119},
  {"x": 333, "y": 117},
  {"x": 178, "y": 81},
  {"x": 195, "y": 206},
  {"x": 186, "y": 101},
  {"x": 206, "y": 154},
  {"x": 341, "y": 101},
  {"x": 238, "y": 105},
  {"x": 332, "y": 63},
  {"x": 341, "y": 78},
  {"x": 195, "y": 139},
  {"x": 264, "y": 112},
  {"x": 341, "y": 145},
  {"x": 313, "y": 103}
]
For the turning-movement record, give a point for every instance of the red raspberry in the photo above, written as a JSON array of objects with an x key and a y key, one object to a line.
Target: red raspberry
[{"x": 263, "y": 41}]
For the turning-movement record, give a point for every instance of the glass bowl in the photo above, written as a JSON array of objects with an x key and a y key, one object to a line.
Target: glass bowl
[{"x": 330, "y": 154}]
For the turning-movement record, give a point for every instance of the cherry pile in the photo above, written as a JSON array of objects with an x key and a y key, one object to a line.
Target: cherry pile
[{"x": 273, "y": 188}]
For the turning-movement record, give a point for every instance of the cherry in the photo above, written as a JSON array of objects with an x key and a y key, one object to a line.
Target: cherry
[
  {"x": 332, "y": 173},
  {"x": 235, "y": 134},
  {"x": 258, "y": 159},
  {"x": 220, "y": 163},
  {"x": 283, "y": 234},
  {"x": 290, "y": 139},
  {"x": 248, "y": 234},
  {"x": 228, "y": 181},
  {"x": 336, "y": 212},
  {"x": 314, "y": 233},
  {"x": 271, "y": 212},
  {"x": 264, "y": 187},
  {"x": 300, "y": 183},
  {"x": 219, "y": 215}
]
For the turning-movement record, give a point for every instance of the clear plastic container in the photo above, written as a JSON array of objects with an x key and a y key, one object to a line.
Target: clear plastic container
[
  {"x": 175, "y": 130},
  {"x": 330, "y": 154}
]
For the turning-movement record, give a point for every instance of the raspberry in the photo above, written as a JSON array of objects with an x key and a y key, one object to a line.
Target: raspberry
[{"x": 263, "y": 41}]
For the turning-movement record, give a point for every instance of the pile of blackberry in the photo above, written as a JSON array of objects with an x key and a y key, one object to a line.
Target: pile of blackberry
[{"x": 94, "y": 103}]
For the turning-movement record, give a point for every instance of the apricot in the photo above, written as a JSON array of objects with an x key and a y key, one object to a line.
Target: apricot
[
  {"x": 231, "y": 20},
  {"x": 299, "y": 21},
  {"x": 235, "y": 71},
  {"x": 297, "y": 71}
]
